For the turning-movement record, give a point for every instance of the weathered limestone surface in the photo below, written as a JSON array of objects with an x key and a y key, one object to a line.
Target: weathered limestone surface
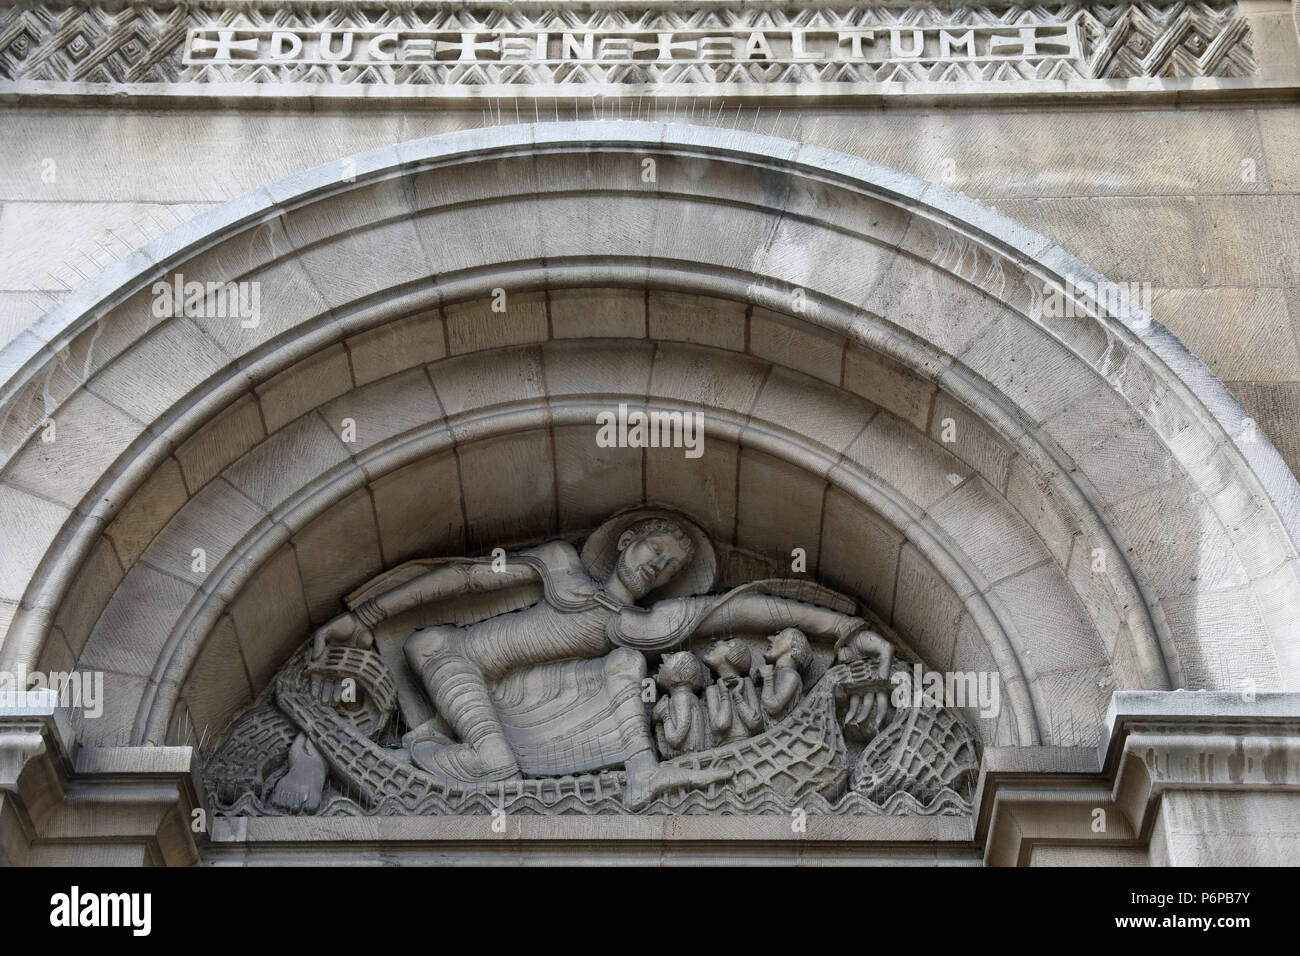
[
  {"x": 1228, "y": 176},
  {"x": 1071, "y": 503}
]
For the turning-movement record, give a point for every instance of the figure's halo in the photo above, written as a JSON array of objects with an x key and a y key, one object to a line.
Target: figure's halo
[{"x": 600, "y": 552}]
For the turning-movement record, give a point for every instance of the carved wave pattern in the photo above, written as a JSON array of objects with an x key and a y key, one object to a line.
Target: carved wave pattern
[
  {"x": 571, "y": 800},
  {"x": 143, "y": 44}
]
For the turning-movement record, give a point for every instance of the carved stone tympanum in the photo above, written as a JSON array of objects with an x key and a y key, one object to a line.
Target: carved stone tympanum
[{"x": 463, "y": 685}]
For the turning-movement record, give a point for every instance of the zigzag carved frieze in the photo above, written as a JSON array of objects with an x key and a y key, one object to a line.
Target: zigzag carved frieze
[{"x": 526, "y": 48}]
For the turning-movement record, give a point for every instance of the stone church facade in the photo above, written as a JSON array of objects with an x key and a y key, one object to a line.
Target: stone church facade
[{"x": 650, "y": 432}]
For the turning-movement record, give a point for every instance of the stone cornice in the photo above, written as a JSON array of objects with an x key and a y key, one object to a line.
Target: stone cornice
[
  {"x": 1157, "y": 742},
  {"x": 57, "y": 798}
]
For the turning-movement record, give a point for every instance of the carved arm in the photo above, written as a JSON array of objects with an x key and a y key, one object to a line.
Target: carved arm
[
  {"x": 446, "y": 581},
  {"x": 748, "y": 707},
  {"x": 781, "y": 687},
  {"x": 718, "y": 699},
  {"x": 758, "y": 613}
]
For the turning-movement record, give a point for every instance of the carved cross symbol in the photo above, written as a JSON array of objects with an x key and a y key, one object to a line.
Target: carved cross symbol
[
  {"x": 225, "y": 45},
  {"x": 468, "y": 48},
  {"x": 1029, "y": 40}
]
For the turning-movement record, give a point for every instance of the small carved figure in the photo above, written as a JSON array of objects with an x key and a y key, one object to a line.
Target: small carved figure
[
  {"x": 788, "y": 657},
  {"x": 732, "y": 703},
  {"x": 680, "y": 726}
]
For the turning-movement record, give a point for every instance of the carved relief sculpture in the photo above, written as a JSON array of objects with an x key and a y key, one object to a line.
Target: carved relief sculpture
[{"x": 462, "y": 685}]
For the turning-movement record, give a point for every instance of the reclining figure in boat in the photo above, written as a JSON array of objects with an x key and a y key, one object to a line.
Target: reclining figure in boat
[{"x": 551, "y": 684}]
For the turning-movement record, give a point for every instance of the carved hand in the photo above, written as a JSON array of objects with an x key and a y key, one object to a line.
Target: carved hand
[
  {"x": 344, "y": 629},
  {"x": 864, "y": 642}
]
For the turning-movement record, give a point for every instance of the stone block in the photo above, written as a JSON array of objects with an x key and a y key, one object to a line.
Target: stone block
[
  {"x": 1220, "y": 641},
  {"x": 229, "y": 434},
  {"x": 519, "y": 504},
  {"x": 698, "y": 319},
  {"x": 351, "y": 267},
  {"x": 986, "y": 532},
  {"x": 216, "y": 687},
  {"x": 1280, "y": 133},
  {"x": 88, "y": 594},
  {"x": 396, "y": 346},
  {"x": 707, "y": 377},
  {"x": 823, "y": 417},
  {"x": 704, "y": 487},
  {"x": 385, "y": 409},
  {"x": 130, "y": 635},
  {"x": 1244, "y": 240},
  {"x": 337, "y": 552},
  {"x": 779, "y": 508},
  {"x": 147, "y": 511},
  {"x": 796, "y": 345},
  {"x": 474, "y": 326},
  {"x": 1174, "y": 539},
  {"x": 1115, "y": 449},
  {"x": 270, "y": 616},
  {"x": 1242, "y": 334},
  {"x": 89, "y": 435},
  {"x": 927, "y": 612},
  {"x": 304, "y": 385},
  {"x": 286, "y": 462},
  {"x": 930, "y": 304},
  {"x": 482, "y": 383},
  {"x": 598, "y": 313},
  {"x": 1046, "y": 513},
  {"x": 859, "y": 552},
  {"x": 213, "y": 522},
  {"x": 888, "y": 384},
  {"x": 31, "y": 524},
  {"x": 593, "y": 370},
  {"x": 160, "y": 370},
  {"x": 920, "y": 471},
  {"x": 1275, "y": 407},
  {"x": 594, "y": 482},
  {"x": 419, "y": 510},
  {"x": 973, "y": 441}
]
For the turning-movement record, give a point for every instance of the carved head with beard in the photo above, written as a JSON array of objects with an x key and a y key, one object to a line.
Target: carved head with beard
[{"x": 650, "y": 553}]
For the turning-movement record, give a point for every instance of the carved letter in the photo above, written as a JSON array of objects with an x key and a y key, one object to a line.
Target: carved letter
[
  {"x": 797, "y": 50},
  {"x": 571, "y": 49},
  {"x": 757, "y": 45},
  {"x": 896, "y": 44},
  {"x": 948, "y": 42},
  {"x": 285, "y": 46},
  {"x": 344, "y": 51},
  {"x": 376, "y": 50},
  {"x": 855, "y": 37}
]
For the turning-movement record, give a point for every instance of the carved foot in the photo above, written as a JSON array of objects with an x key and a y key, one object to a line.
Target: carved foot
[
  {"x": 489, "y": 762},
  {"x": 300, "y": 789},
  {"x": 646, "y": 783}
]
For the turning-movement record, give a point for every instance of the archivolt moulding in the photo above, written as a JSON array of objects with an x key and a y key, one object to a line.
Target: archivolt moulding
[{"x": 1112, "y": 420}]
